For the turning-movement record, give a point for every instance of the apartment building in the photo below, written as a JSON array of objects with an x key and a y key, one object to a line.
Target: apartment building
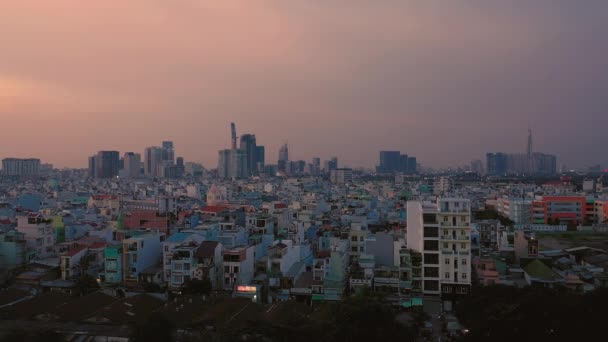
[
  {"x": 441, "y": 232},
  {"x": 238, "y": 266},
  {"x": 38, "y": 233},
  {"x": 140, "y": 252}
]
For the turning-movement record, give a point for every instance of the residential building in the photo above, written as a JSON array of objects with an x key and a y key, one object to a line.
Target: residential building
[
  {"x": 341, "y": 176},
  {"x": 21, "y": 167},
  {"x": 139, "y": 253},
  {"x": 441, "y": 232},
  {"x": 38, "y": 233}
]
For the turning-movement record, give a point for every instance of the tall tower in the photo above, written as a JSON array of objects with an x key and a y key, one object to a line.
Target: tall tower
[{"x": 233, "y": 130}]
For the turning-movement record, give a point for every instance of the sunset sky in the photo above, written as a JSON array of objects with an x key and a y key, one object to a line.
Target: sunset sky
[{"x": 446, "y": 81}]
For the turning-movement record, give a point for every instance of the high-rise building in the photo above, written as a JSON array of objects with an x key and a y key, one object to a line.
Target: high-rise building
[
  {"x": 341, "y": 176},
  {"x": 441, "y": 232},
  {"x": 389, "y": 161},
  {"x": 232, "y": 163},
  {"x": 412, "y": 165},
  {"x": 260, "y": 158},
  {"x": 284, "y": 153},
  {"x": 105, "y": 164},
  {"x": 496, "y": 163},
  {"x": 249, "y": 146},
  {"x": 403, "y": 163},
  {"x": 20, "y": 167},
  {"x": 153, "y": 161},
  {"x": 168, "y": 152},
  {"x": 283, "y": 158},
  {"x": 92, "y": 166},
  {"x": 132, "y": 163}
]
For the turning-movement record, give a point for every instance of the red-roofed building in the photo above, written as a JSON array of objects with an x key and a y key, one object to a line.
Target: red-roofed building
[{"x": 146, "y": 220}]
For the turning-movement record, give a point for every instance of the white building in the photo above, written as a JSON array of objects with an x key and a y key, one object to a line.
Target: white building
[
  {"x": 341, "y": 176},
  {"x": 39, "y": 234},
  {"x": 442, "y": 233},
  {"x": 238, "y": 265},
  {"x": 139, "y": 253}
]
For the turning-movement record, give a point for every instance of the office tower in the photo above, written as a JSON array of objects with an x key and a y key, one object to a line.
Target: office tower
[
  {"x": 316, "y": 166},
  {"x": 232, "y": 164},
  {"x": 334, "y": 163},
  {"x": 153, "y": 161},
  {"x": 260, "y": 161},
  {"x": 92, "y": 167},
  {"x": 106, "y": 164},
  {"x": 223, "y": 167},
  {"x": 20, "y": 167},
  {"x": 497, "y": 163},
  {"x": 233, "y": 133},
  {"x": 389, "y": 161},
  {"x": 283, "y": 158},
  {"x": 403, "y": 163},
  {"x": 132, "y": 164},
  {"x": 284, "y": 153},
  {"x": 341, "y": 176},
  {"x": 412, "y": 165},
  {"x": 168, "y": 152},
  {"x": 441, "y": 232},
  {"x": 248, "y": 145},
  {"x": 180, "y": 168}
]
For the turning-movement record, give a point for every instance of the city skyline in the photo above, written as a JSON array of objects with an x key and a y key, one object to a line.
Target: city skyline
[{"x": 402, "y": 76}]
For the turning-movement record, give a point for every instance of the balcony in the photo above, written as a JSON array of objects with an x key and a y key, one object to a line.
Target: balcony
[{"x": 455, "y": 238}]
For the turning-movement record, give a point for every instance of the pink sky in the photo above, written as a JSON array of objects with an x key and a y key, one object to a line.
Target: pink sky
[{"x": 446, "y": 81}]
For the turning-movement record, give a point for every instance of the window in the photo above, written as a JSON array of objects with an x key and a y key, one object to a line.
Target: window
[
  {"x": 354, "y": 249},
  {"x": 178, "y": 279},
  {"x": 431, "y": 271},
  {"x": 463, "y": 219},
  {"x": 361, "y": 249},
  {"x": 166, "y": 248},
  {"x": 431, "y": 245},
  {"x": 353, "y": 239},
  {"x": 227, "y": 281},
  {"x": 446, "y": 219},
  {"x": 446, "y": 232},
  {"x": 235, "y": 269},
  {"x": 447, "y": 261},
  {"x": 464, "y": 261},
  {"x": 464, "y": 276},
  {"x": 447, "y": 275},
  {"x": 445, "y": 246},
  {"x": 226, "y": 269},
  {"x": 462, "y": 232},
  {"x": 177, "y": 267},
  {"x": 431, "y": 285},
  {"x": 361, "y": 238},
  {"x": 430, "y": 258},
  {"x": 186, "y": 267},
  {"x": 463, "y": 245}
]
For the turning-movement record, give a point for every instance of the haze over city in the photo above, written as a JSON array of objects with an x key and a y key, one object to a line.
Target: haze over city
[{"x": 445, "y": 81}]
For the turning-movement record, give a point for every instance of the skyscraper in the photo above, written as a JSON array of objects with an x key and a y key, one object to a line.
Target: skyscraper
[
  {"x": 232, "y": 163},
  {"x": 168, "y": 152},
  {"x": 260, "y": 160},
  {"x": 284, "y": 153},
  {"x": 389, "y": 161},
  {"x": 132, "y": 164},
  {"x": 154, "y": 161},
  {"x": 283, "y": 158},
  {"x": 106, "y": 164},
  {"x": 249, "y": 146}
]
